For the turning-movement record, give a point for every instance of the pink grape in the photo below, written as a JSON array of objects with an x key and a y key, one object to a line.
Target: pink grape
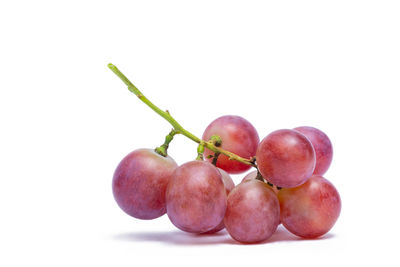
[
  {"x": 322, "y": 146},
  {"x": 238, "y": 136},
  {"x": 229, "y": 185},
  {"x": 196, "y": 197},
  {"x": 252, "y": 214},
  {"x": 140, "y": 182},
  {"x": 252, "y": 175},
  {"x": 311, "y": 209},
  {"x": 227, "y": 179},
  {"x": 286, "y": 158}
]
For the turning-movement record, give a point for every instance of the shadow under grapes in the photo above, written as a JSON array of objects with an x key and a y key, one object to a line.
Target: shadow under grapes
[{"x": 222, "y": 237}]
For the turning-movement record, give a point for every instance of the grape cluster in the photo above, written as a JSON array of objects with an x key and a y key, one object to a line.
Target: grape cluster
[{"x": 200, "y": 196}]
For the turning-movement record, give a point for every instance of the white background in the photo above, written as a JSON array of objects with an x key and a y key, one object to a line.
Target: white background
[{"x": 66, "y": 120}]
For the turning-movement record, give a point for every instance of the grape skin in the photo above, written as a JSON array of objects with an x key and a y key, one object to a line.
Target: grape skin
[
  {"x": 322, "y": 146},
  {"x": 140, "y": 182},
  {"x": 196, "y": 197},
  {"x": 229, "y": 185},
  {"x": 238, "y": 136},
  {"x": 252, "y": 214},
  {"x": 227, "y": 179},
  {"x": 286, "y": 158},
  {"x": 252, "y": 175},
  {"x": 311, "y": 209}
]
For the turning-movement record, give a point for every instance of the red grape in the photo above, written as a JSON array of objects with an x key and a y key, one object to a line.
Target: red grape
[
  {"x": 196, "y": 197},
  {"x": 311, "y": 209},
  {"x": 229, "y": 185},
  {"x": 286, "y": 158},
  {"x": 228, "y": 182},
  {"x": 322, "y": 146},
  {"x": 252, "y": 175},
  {"x": 252, "y": 214},
  {"x": 238, "y": 136},
  {"x": 140, "y": 181}
]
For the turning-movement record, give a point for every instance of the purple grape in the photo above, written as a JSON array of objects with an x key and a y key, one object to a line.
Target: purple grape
[
  {"x": 196, "y": 197},
  {"x": 252, "y": 213},
  {"x": 229, "y": 185},
  {"x": 286, "y": 158},
  {"x": 311, "y": 209},
  {"x": 322, "y": 146},
  {"x": 140, "y": 182}
]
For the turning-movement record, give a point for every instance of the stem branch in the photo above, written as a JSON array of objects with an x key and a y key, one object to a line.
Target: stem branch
[
  {"x": 215, "y": 158},
  {"x": 200, "y": 151},
  {"x": 177, "y": 127},
  {"x": 162, "y": 150}
]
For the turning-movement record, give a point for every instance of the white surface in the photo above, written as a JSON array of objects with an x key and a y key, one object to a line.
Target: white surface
[{"x": 66, "y": 120}]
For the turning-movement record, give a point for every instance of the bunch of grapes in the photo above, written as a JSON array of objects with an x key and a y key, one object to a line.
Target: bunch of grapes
[{"x": 199, "y": 196}]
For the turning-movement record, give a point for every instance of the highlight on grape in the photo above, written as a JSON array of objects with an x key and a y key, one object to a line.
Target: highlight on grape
[{"x": 199, "y": 196}]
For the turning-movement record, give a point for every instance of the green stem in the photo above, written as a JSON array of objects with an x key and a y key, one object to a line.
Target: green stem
[
  {"x": 177, "y": 127},
  {"x": 162, "y": 150},
  {"x": 216, "y": 140},
  {"x": 200, "y": 151}
]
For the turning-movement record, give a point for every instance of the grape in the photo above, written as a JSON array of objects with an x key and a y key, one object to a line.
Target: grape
[
  {"x": 196, "y": 197},
  {"x": 229, "y": 185},
  {"x": 252, "y": 214},
  {"x": 286, "y": 158},
  {"x": 238, "y": 136},
  {"x": 311, "y": 209},
  {"x": 322, "y": 146},
  {"x": 252, "y": 175},
  {"x": 228, "y": 182},
  {"x": 140, "y": 181}
]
